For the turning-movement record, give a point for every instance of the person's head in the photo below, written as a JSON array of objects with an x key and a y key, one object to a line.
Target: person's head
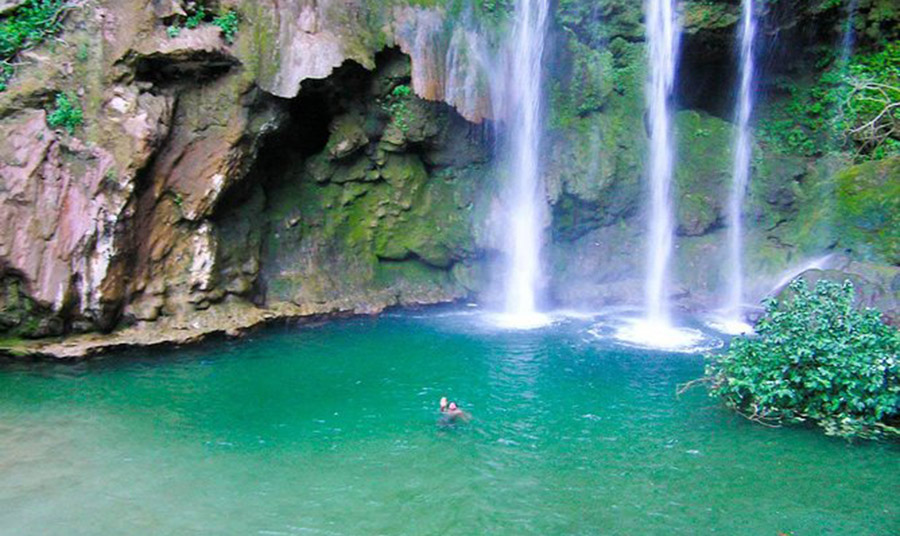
[
  {"x": 444, "y": 402},
  {"x": 453, "y": 406}
]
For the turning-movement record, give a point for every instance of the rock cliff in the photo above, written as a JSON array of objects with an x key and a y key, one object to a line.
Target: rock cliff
[{"x": 337, "y": 156}]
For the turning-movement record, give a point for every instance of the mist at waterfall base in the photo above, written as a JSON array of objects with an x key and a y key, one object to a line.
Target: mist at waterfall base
[
  {"x": 520, "y": 97},
  {"x": 334, "y": 429}
]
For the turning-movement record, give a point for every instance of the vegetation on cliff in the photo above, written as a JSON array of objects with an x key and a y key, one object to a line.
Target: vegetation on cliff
[
  {"x": 816, "y": 358},
  {"x": 67, "y": 114},
  {"x": 227, "y": 21},
  {"x": 853, "y": 105},
  {"x": 25, "y": 27}
]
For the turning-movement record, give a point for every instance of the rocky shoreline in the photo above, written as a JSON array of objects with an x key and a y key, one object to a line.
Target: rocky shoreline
[{"x": 229, "y": 321}]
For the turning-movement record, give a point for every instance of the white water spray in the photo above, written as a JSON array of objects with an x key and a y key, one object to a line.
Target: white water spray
[
  {"x": 742, "y": 153},
  {"x": 526, "y": 208},
  {"x": 663, "y": 38},
  {"x": 655, "y": 329}
]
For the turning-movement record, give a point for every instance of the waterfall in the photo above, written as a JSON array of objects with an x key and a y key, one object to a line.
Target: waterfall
[
  {"x": 524, "y": 199},
  {"x": 742, "y": 153},
  {"x": 849, "y": 34},
  {"x": 655, "y": 329},
  {"x": 663, "y": 38}
]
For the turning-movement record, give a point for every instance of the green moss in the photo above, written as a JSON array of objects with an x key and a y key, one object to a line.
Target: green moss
[
  {"x": 703, "y": 170},
  {"x": 868, "y": 199},
  {"x": 409, "y": 273},
  {"x": 587, "y": 86},
  {"x": 601, "y": 21},
  {"x": 705, "y": 15}
]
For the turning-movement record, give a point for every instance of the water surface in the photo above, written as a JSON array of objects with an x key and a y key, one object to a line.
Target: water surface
[{"x": 332, "y": 429}]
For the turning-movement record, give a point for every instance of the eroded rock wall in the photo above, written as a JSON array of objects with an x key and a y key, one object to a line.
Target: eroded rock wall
[
  {"x": 188, "y": 188},
  {"x": 337, "y": 157}
]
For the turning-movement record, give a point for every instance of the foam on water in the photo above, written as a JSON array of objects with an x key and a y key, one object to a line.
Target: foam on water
[
  {"x": 521, "y": 321},
  {"x": 644, "y": 334},
  {"x": 729, "y": 326}
]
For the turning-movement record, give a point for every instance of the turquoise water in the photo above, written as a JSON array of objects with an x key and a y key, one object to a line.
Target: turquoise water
[{"x": 332, "y": 429}]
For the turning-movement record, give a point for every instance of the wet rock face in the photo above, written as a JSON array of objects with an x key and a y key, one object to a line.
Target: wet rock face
[
  {"x": 368, "y": 194},
  {"x": 336, "y": 157},
  {"x": 156, "y": 207},
  {"x": 63, "y": 207}
]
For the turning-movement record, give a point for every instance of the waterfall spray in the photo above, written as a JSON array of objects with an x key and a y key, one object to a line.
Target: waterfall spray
[
  {"x": 663, "y": 37},
  {"x": 742, "y": 153},
  {"x": 526, "y": 208},
  {"x": 656, "y": 330}
]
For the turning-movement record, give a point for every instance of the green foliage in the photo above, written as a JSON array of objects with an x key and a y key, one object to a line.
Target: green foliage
[
  {"x": 195, "y": 18},
  {"x": 871, "y": 107},
  {"x": 28, "y": 26},
  {"x": 402, "y": 90},
  {"x": 67, "y": 114},
  {"x": 496, "y": 5},
  {"x": 84, "y": 53},
  {"x": 815, "y": 358},
  {"x": 851, "y": 106},
  {"x": 397, "y": 106},
  {"x": 228, "y": 22}
]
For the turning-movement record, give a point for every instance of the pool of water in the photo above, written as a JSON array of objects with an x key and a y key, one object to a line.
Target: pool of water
[{"x": 333, "y": 429}]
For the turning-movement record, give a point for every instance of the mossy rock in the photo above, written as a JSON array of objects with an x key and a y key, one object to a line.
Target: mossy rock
[
  {"x": 587, "y": 85},
  {"x": 706, "y": 15},
  {"x": 347, "y": 136},
  {"x": 702, "y": 171},
  {"x": 868, "y": 208},
  {"x": 600, "y": 21}
]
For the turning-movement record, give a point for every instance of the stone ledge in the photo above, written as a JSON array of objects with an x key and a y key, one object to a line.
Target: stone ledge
[{"x": 230, "y": 320}]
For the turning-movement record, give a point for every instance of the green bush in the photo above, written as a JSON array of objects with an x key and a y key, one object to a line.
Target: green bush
[
  {"x": 853, "y": 106},
  {"x": 196, "y": 18},
  {"x": 815, "y": 357},
  {"x": 27, "y": 26},
  {"x": 398, "y": 108},
  {"x": 67, "y": 114},
  {"x": 228, "y": 23}
]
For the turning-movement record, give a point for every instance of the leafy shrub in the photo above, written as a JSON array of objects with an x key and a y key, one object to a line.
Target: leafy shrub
[
  {"x": 853, "y": 105},
  {"x": 228, "y": 23},
  {"x": 815, "y": 358},
  {"x": 871, "y": 107},
  {"x": 402, "y": 90},
  {"x": 27, "y": 26},
  {"x": 195, "y": 18},
  {"x": 397, "y": 106},
  {"x": 67, "y": 114}
]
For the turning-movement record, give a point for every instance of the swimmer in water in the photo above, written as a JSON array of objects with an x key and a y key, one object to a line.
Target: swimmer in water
[{"x": 452, "y": 413}]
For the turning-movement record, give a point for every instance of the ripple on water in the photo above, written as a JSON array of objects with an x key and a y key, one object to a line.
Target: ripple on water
[{"x": 333, "y": 429}]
